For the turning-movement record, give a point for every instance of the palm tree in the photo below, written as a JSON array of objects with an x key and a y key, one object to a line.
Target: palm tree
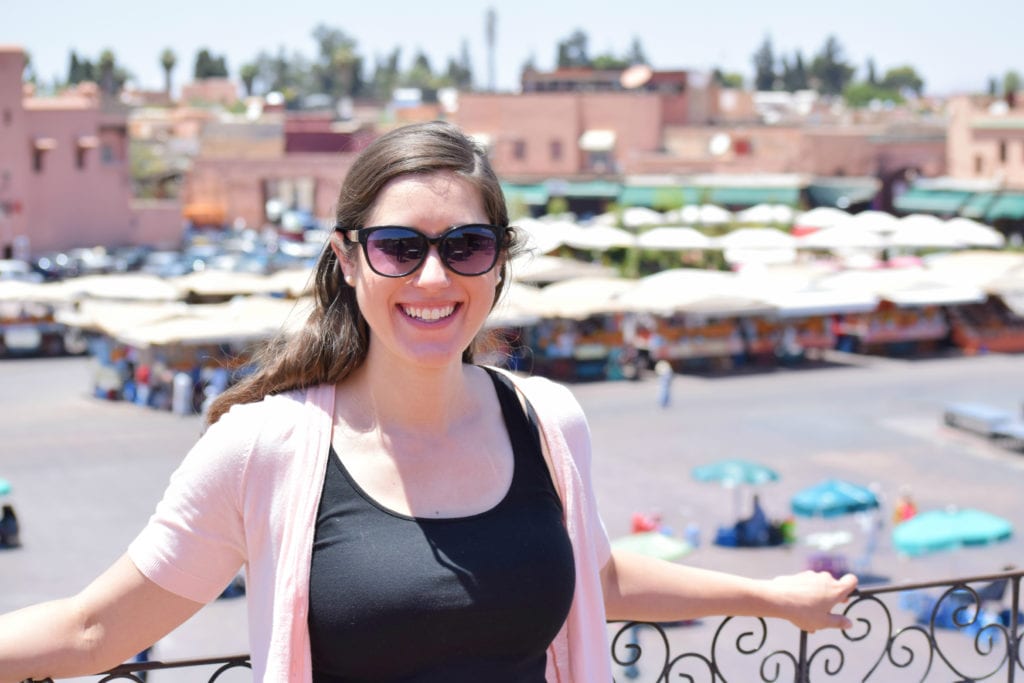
[
  {"x": 248, "y": 74},
  {"x": 167, "y": 60}
]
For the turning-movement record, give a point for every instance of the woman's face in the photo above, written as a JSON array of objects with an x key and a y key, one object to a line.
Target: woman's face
[{"x": 429, "y": 317}]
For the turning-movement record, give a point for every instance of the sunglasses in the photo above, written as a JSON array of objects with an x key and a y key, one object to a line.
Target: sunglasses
[{"x": 397, "y": 251}]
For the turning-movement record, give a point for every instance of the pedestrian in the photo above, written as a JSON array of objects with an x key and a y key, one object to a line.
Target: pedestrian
[
  {"x": 663, "y": 369},
  {"x": 402, "y": 513}
]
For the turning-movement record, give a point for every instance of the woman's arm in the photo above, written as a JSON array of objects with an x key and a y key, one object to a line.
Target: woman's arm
[
  {"x": 117, "y": 616},
  {"x": 639, "y": 588}
]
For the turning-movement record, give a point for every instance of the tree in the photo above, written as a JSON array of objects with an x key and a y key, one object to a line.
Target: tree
[
  {"x": 248, "y": 73},
  {"x": 872, "y": 75},
  {"x": 636, "y": 54},
  {"x": 993, "y": 86},
  {"x": 107, "y": 64},
  {"x": 1011, "y": 84},
  {"x": 830, "y": 70},
  {"x": 727, "y": 80},
  {"x": 572, "y": 52},
  {"x": 764, "y": 66},
  {"x": 794, "y": 74},
  {"x": 208, "y": 65},
  {"x": 903, "y": 79},
  {"x": 459, "y": 72},
  {"x": 335, "y": 72},
  {"x": 608, "y": 61},
  {"x": 420, "y": 75},
  {"x": 167, "y": 60},
  {"x": 28, "y": 73},
  {"x": 385, "y": 76}
]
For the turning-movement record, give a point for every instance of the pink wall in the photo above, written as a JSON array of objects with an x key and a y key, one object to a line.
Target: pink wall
[{"x": 81, "y": 194}]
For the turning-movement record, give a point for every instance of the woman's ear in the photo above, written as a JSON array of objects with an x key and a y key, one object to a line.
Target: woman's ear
[{"x": 342, "y": 253}]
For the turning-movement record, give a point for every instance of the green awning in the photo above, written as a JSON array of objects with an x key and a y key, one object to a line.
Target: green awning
[
  {"x": 658, "y": 197},
  {"x": 1006, "y": 207},
  {"x": 978, "y": 205},
  {"x": 532, "y": 195},
  {"x": 751, "y": 196},
  {"x": 941, "y": 202},
  {"x": 842, "y": 193},
  {"x": 599, "y": 189}
]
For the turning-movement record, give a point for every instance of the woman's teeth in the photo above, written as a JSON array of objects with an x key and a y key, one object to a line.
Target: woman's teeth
[{"x": 429, "y": 314}]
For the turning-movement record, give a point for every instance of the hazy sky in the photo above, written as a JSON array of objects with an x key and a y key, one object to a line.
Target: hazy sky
[{"x": 954, "y": 45}]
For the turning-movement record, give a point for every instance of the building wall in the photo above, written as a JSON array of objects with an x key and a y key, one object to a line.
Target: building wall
[
  {"x": 236, "y": 185},
  {"x": 986, "y": 142},
  {"x": 80, "y": 194},
  {"x": 524, "y": 130},
  {"x": 14, "y": 159}
]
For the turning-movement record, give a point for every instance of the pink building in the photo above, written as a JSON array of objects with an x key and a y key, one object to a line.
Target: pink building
[
  {"x": 986, "y": 141},
  {"x": 64, "y": 172}
]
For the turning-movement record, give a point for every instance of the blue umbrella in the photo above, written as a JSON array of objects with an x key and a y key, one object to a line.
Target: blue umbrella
[
  {"x": 833, "y": 497},
  {"x": 950, "y": 528},
  {"x": 734, "y": 472}
]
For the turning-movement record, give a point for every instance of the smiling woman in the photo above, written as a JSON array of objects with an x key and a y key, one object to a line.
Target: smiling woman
[{"x": 387, "y": 495}]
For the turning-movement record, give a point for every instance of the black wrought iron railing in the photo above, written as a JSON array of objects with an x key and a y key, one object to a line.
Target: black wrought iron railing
[{"x": 961, "y": 630}]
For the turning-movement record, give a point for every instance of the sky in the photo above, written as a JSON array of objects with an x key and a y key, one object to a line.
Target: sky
[{"x": 955, "y": 46}]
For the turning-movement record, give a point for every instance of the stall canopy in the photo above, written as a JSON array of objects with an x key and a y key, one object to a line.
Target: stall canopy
[
  {"x": 932, "y": 201},
  {"x": 679, "y": 238},
  {"x": 582, "y": 297}
]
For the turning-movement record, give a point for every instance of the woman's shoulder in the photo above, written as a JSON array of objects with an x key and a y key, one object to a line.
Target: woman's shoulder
[
  {"x": 275, "y": 419},
  {"x": 551, "y": 399}
]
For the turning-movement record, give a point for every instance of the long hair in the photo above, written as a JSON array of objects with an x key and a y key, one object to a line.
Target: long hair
[{"x": 335, "y": 338}]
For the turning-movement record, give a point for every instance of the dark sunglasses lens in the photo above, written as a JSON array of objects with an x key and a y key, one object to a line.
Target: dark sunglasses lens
[
  {"x": 395, "y": 251},
  {"x": 470, "y": 250}
]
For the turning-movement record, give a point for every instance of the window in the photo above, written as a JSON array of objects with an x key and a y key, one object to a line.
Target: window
[
  {"x": 107, "y": 154},
  {"x": 80, "y": 157},
  {"x": 556, "y": 150},
  {"x": 519, "y": 150},
  {"x": 1002, "y": 151},
  {"x": 7, "y": 116},
  {"x": 37, "y": 159},
  {"x": 979, "y": 164}
]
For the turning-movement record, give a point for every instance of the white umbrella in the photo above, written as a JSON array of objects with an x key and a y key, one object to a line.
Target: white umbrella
[
  {"x": 599, "y": 237},
  {"x": 123, "y": 286},
  {"x": 639, "y": 216},
  {"x": 518, "y": 307},
  {"x": 812, "y": 302},
  {"x": 874, "y": 221},
  {"x": 36, "y": 292},
  {"x": 701, "y": 214},
  {"x": 920, "y": 230},
  {"x": 976, "y": 267},
  {"x": 679, "y": 238},
  {"x": 767, "y": 213},
  {"x": 685, "y": 289},
  {"x": 820, "y": 217},
  {"x": 532, "y": 268},
  {"x": 582, "y": 297},
  {"x": 971, "y": 233},
  {"x": 844, "y": 235},
  {"x": 213, "y": 282},
  {"x": 544, "y": 236},
  {"x": 756, "y": 238}
]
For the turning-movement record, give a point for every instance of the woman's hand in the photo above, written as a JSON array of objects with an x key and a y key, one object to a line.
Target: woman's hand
[{"x": 808, "y": 598}]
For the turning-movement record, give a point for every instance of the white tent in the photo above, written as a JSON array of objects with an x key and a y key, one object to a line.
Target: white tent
[
  {"x": 875, "y": 221},
  {"x": 35, "y": 292},
  {"x": 700, "y": 214},
  {"x": 678, "y": 238},
  {"x": 690, "y": 290},
  {"x": 639, "y": 216},
  {"x": 923, "y": 231},
  {"x": 820, "y": 217},
  {"x": 122, "y": 286},
  {"x": 598, "y": 238},
  {"x": 842, "y": 236},
  {"x": 976, "y": 267},
  {"x": 810, "y": 302},
  {"x": 582, "y": 297},
  {"x": 538, "y": 268},
  {"x": 761, "y": 214},
  {"x": 544, "y": 236},
  {"x": 971, "y": 233},
  {"x": 756, "y": 238},
  {"x": 213, "y": 282},
  {"x": 516, "y": 308}
]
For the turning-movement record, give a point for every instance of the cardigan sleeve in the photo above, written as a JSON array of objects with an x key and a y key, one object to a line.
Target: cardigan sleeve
[{"x": 194, "y": 543}]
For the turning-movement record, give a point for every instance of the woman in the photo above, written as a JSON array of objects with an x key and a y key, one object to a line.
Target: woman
[{"x": 401, "y": 512}]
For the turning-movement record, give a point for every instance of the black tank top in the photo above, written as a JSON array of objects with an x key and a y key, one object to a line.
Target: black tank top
[{"x": 423, "y": 600}]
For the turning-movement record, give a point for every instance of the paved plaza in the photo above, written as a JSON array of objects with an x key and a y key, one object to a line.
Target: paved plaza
[{"x": 86, "y": 473}]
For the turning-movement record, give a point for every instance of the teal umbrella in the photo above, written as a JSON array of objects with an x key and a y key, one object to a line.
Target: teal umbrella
[
  {"x": 653, "y": 544},
  {"x": 5, "y": 487},
  {"x": 833, "y": 497},
  {"x": 950, "y": 528},
  {"x": 734, "y": 472}
]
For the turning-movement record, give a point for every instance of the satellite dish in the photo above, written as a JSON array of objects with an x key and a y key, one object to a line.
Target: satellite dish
[
  {"x": 719, "y": 144},
  {"x": 635, "y": 76}
]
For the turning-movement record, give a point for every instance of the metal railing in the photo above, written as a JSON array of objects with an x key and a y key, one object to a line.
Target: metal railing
[{"x": 966, "y": 629}]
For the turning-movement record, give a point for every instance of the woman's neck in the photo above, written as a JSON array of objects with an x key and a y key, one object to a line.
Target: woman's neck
[{"x": 389, "y": 397}]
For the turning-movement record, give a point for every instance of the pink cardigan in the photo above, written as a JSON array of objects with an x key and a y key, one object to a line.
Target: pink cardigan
[{"x": 248, "y": 492}]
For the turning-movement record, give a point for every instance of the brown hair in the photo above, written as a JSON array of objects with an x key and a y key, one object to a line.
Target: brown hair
[{"x": 334, "y": 339}]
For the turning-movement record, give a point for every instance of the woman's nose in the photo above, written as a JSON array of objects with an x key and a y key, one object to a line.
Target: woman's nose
[{"x": 433, "y": 271}]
